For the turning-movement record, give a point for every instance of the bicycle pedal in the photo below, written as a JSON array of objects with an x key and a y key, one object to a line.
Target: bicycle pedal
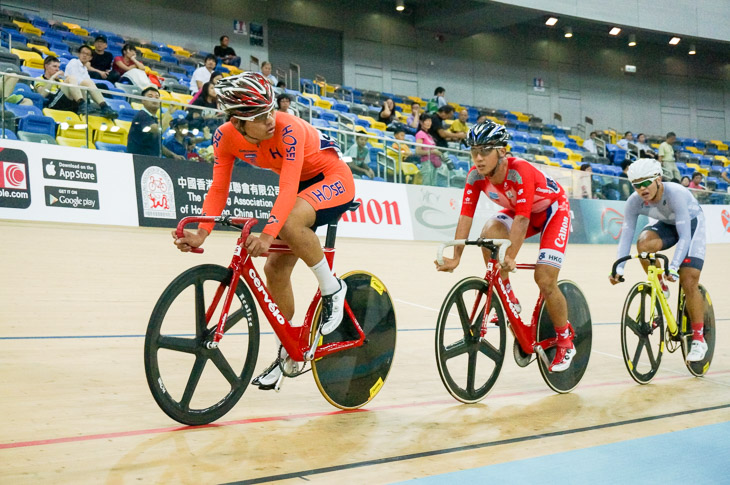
[{"x": 279, "y": 382}]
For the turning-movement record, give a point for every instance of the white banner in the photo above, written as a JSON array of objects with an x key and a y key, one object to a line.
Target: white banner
[
  {"x": 717, "y": 218},
  {"x": 383, "y": 213},
  {"x": 54, "y": 183}
]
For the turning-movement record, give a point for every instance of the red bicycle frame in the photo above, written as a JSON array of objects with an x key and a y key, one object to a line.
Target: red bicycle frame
[
  {"x": 526, "y": 335},
  {"x": 294, "y": 339}
]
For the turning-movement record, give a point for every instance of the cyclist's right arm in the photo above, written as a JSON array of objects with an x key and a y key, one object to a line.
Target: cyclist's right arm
[
  {"x": 463, "y": 227},
  {"x": 627, "y": 232},
  {"x": 215, "y": 200}
]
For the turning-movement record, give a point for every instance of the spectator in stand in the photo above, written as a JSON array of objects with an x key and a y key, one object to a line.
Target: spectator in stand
[
  {"x": 208, "y": 116},
  {"x": 666, "y": 157},
  {"x": 266, "y": 72},
  {"x": 441, "y": 135},
  {"x": 359, "y": 157},
  {"x": 624, "y": 186},
  {"x": 180, "y": 143},
  {"x": 430, "y": 157},
  {"x": 645, "y": 151},
  {"x": 77, "y": 74},
  {"x": 387, "y": 112},
  {"x": 100, "y": 65},
  {"x": 696, "y": 182},
  {"x": 438, "y": 100},
  {"x": 64, "y": 98},
  {"x": 400, "y": 148},
  {"x": 214, "y": 78},
  {"x": 226, "y": 54},
  {"x": 283, "y": 103},
  {"x": 144, "y": 134},
  {"x": 482, "y": 118},
  {"x": 725, "y": 176},
  {"x": 584, "y": 182},
  {"x": 414, "y": 119},
  {"x": 9, "y": 83},
  {"x": 624, "y": 142},
  {"x": 202, "y": 74},
  {"x": 460, "y": 126},
  {"x": 590, "y": 143},
  {"x": 685, "y": 181},
  {"x": 127, "y": 61}
]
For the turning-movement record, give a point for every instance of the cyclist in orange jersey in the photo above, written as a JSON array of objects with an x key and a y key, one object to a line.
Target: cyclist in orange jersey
[{"x": 315, "y": 188}]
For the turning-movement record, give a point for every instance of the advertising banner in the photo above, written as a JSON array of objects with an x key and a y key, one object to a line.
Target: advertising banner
[
  {"x": 718, "y": 223},
  {"x": 168, "y": 190},
  {"x": 383, "y": 214},
  {"x": 64, "y": 184}
]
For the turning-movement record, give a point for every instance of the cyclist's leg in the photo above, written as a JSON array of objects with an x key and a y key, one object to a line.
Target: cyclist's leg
[
  {"x": 689, "y": 278},
  {"x": 278, "y": 269},
  {"x": 497, "y": 227},
  {"x": 653, "y": 239}
]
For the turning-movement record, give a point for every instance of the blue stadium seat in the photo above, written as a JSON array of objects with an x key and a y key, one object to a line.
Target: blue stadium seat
[
  {"x": 21, "y": 111},
  {"x": 118, "y": 104},
  {"x": 44, "y": 125},
  {"x": 341, "y": 107},
  {"x": 328, "y": 116},
  {"x": 9, "y": 134}
]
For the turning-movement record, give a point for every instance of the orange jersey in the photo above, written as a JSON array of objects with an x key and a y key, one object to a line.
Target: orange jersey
[{"x": 297, "y": 152}]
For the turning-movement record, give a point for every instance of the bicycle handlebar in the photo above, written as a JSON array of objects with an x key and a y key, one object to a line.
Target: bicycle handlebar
[
  {"x": 245, "y": 224},
  {"x": 643, "y": 255},
  {"x": 502, "y": 244}
]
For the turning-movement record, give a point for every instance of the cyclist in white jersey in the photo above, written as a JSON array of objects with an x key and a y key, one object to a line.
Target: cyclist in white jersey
[{"x": 680, "y": 222}]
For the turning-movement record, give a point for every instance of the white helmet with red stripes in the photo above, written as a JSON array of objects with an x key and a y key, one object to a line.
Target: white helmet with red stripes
[{"x": 246, "y": 95}]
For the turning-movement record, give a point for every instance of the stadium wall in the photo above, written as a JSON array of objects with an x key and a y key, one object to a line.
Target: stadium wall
[
  {"x": 385, "y": 52},
  {"x": 63, "y": 184}
]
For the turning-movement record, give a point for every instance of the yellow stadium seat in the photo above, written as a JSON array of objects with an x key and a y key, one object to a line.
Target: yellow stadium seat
[
  {"x": 74, "y": 142},
  {"x": 405, "y": 107},
  {"x": 720, "y": 145},
  {"x": 575, "y": 157},
  {"x": 152, "y": 55},
  {"x": 179, "y": 50},
  {"x": 34, "y": 63},
  {"x": 80, "y": 31},
  {"x": 311, "y": 96},
  {"x": 27, "y": 28},
  {"x": 232, "y": 69},
  {"x": 697, "y": 168},
  {"x": 127, "y": 125},
  {"x": 550, "y": 162},
  {"x": 70, "y": 125},
  {"x": 544, "y": 159},
  {"x": 42, "y": 48},
  {"x": 418, "y": 100},
  {"x": 323, "y": 104},
  {"x": 694, "y": 150},
  {"x": 549, "y": 137},
  {"x": 116, "y": 137},
  {"x": 723, "y": 159},
  {"x": 137, "y": 106},
  {"x": 25, "y": 55},
  {"x": 181, "y": 98},
  {"x": 369, "y": 119},
  {"x": 559, "y": 144},
  {"x": 379, "y": 125},
  {"x": 71, "y": 26},
  {"x": 97, "y": 122}
]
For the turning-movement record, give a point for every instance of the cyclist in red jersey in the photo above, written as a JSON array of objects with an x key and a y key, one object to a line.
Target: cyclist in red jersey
[
  {"x": 533, "y": 204},
  {"x": 315, "y": 188}
]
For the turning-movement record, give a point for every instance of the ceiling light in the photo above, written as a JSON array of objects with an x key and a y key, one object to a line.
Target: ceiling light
[
  {"x": 615, "y": 31},
  {"x": 632, "y": 40},
  {"x": 692, "y": 50},
  {"x": 551, "y": 21},
  {"x": 399, "y": 6},
  {"x": 674, "y": 41},
  {"x": 568, "y": 32}
]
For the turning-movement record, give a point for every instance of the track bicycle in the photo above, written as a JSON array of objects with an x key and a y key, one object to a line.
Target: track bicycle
[
  {"x": 645, "y": 314},
  {"x": 471, "y": 331},
  {"x": 203, "y": 336}
]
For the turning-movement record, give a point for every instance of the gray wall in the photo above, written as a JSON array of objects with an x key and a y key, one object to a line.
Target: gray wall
[
  {"x": 383, "y": 51},
  {"x": 696, "y": 18}
]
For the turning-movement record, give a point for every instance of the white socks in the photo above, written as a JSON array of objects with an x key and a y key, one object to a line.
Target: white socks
[{"x": 328, "y": 284}]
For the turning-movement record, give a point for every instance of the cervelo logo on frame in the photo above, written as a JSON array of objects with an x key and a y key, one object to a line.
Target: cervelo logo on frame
[
  {"x": 273, "y": 308},
  {"x": 376, "y": 212}
]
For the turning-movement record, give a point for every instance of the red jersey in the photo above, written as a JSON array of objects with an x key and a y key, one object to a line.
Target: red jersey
[
  {"x": 297, "y": 152},
  {"x": 525, "y": 190}
]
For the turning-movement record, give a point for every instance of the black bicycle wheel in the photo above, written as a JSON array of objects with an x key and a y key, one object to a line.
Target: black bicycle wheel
[
  {"x": 642, "y": 337},
  {"x": 699, "y": 368},
  {"x": 176, "y": 357},
  {"x": 579, "y": 316},
  {"x": 467, "y": 362},
  {"x": 351, "y": 378}
]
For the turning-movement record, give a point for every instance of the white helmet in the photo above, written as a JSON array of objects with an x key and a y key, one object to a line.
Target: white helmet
[{"x": 644, "y": 168}]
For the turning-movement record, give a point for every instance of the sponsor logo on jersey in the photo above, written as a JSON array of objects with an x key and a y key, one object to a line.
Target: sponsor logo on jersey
[
  {"x": 493, "y": 195},
  {"x": 272, "y": 220},
  {"x": 552, "y": 184},
  {"x": 510, "y": 194}
]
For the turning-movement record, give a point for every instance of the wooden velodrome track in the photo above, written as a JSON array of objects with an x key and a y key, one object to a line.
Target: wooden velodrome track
[{"x": 76, "y": 408}]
